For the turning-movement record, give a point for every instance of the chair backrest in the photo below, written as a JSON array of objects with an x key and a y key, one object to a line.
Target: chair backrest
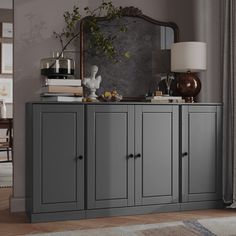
[{"x": 6, "y": 140}]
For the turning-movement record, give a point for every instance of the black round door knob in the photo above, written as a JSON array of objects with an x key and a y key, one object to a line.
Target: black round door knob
[
  {"x": 131, "y": 155},
  {"x": 80, "y": 157},
  {"x": 138, "y": 155},
  {"x": 184, "y": 154}
]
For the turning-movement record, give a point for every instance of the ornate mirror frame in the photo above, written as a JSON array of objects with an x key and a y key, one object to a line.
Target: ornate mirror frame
[{"x": 127, "y": 12}]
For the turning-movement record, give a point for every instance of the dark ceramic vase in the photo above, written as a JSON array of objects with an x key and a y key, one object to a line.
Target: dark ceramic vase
[{"x": 187, "y": 85}]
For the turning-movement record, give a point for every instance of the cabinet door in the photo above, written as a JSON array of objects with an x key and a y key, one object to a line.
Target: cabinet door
[
  {"x": 156, "y": 154},
  {"x": 58, "y": 174},
  {"x": 201, "y": 151},
  {"x": 110, "y": 141}
]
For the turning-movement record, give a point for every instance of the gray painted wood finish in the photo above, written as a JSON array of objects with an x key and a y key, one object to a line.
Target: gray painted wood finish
[
  {"x": 201, "y": 129},
  {"x": 58, "y": 182},
  {"x": 156, "y": 139},
  {"x": 110, "y": 141},
  {"x": 115, "y": 183},
  {"x": 118, "y": 211},
  {"x": 153, "y": 144},
  {"x": 29, "y": 158}
]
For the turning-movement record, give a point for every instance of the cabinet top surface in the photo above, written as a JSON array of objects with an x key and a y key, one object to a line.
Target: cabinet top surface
[{"x": 125, "y": 103}]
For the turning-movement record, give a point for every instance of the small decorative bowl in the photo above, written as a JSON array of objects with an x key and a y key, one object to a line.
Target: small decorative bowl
[{"x": 110, "y": 97}]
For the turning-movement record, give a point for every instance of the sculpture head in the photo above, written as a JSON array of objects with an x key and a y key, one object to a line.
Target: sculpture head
[{"x": 94, "y": 70}]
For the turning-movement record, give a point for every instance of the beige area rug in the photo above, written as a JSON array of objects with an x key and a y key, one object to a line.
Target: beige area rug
[
  {"x": 225, "y": 226},
  {"x": 5, "y": 174}
]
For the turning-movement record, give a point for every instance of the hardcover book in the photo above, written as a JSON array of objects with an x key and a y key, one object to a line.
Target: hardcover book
[
  {"x": 63, "y": 82},
  {"x": 62, "y": 89},
  {"x": 61, "y": 99}
]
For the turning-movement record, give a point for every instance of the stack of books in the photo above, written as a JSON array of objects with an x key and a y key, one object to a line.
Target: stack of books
[
  {"x": 62, "y": 90},
  {"x": 165, "y": 99}
]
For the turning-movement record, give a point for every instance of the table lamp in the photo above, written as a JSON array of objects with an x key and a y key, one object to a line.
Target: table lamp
[{"x": 187, "y": 58}]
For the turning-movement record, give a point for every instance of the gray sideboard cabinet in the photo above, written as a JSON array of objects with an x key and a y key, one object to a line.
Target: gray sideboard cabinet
[
  {"x": 132, "y": 155},
  {"x": 55, "y": 163},
  {"x": 201, "y": 153},
  {"x": 94, "y": 160}
]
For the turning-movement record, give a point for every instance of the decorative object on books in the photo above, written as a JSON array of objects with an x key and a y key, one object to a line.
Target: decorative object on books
[
  {"x": 158, "y": 93},
  {"x": 57, "y": 67},
  {"x": 147, "y": 42},
  {"x": 165, "y": 84},
  {"x": 92, "y": 82},
  {"x": 188, "y": 58}
]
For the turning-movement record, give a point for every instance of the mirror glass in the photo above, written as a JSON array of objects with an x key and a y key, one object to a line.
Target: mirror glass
[{"x": 148, "y": 46}]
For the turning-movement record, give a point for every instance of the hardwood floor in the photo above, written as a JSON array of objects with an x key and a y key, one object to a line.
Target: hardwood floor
[{"x": 17, "y": 223}]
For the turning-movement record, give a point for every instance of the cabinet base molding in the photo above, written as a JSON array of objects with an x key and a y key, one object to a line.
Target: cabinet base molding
[
  {"x": 123, "y": 211},
  {"x": 136, "y": 210},
  {"x": 57, "y": 216},
  {"x": 188, "y": 206}
]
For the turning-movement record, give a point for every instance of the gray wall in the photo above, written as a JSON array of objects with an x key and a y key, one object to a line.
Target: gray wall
[{"x": 36, "y": 20}]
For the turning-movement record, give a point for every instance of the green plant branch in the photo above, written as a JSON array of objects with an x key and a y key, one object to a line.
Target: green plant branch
[{"x": 99, "y": 41}]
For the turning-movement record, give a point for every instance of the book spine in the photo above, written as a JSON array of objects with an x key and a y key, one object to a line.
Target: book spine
[
  {"x": 166, "y": 98},
  {"x": 61, "y": 99},
  {"x": 63, "y": 82},
  {"x": 168, "y": 101},
  {"x": 62, "y": 89}
]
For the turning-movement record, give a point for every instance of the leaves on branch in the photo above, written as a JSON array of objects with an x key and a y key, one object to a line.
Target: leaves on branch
[{"x": 101, "y": 43}]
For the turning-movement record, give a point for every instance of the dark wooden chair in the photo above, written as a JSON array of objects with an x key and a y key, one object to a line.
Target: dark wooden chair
[{"x": 6, "y": 141}]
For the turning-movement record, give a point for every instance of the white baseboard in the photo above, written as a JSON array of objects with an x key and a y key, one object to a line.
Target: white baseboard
[{"x": 17, "y": 204}]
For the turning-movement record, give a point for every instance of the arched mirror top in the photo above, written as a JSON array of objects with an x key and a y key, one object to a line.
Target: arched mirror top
[{"x": 148, "y": 42}]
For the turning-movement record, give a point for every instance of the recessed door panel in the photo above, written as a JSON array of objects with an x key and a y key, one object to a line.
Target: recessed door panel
[
  {"x": 58, "y": 157},
  {"x": 202, "y": 153},
  {"x": 110, "y": 141},
  {"x": 111, "y": 156},
  {"x": 156, "y": 169},
  {"x": 157, "y": 141},
  {"x": 57, "y": 142},
  {"x": 201, "y": 142}
]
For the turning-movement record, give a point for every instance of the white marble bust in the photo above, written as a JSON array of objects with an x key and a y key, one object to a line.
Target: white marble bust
[{"x": 92, "y": 82}]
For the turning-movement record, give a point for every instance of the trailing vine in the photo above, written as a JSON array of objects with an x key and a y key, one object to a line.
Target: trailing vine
[{"x": 100, "y": 42}]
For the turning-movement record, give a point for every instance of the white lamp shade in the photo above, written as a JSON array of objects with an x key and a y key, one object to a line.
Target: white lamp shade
[{"x": 188, "y": 56}]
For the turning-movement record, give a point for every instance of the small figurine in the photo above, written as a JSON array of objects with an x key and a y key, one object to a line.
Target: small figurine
[{"x": 93, "y": 82}]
